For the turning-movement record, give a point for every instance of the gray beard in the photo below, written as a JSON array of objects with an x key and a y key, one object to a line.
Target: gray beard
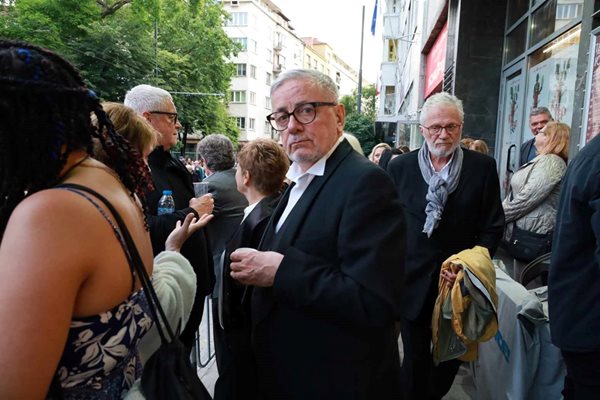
[{"x": 440, "y": 152}]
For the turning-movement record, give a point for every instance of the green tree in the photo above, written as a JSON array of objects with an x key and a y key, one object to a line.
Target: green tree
[
  {"x": 362, "y": 125},
  {"x": 112, "y": 43}
]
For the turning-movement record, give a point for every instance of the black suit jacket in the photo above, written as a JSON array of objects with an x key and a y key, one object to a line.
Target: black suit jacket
[
  {"x": 526, "y": 149},
  {"x": 472, "y": 216},
  {"x": 169, "y": 173},
  {"x": 235, "y": 310},
  {"x": 326, "y": 327},
  {"x": 573, "y": 290}
]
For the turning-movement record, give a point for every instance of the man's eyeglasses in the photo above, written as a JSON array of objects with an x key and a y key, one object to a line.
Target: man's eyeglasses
[
  {"x": 172, "y": 115},
  {"x": 304, "y": 113},
  {"x": 435, "y": 129}
]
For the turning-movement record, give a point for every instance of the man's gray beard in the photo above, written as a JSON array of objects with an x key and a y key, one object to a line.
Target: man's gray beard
[{"x": 440, "y": 152}]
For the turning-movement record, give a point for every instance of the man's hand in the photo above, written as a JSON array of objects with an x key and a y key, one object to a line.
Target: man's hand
[
  {"x": 449, "y": 275},
  {"x": 184, "y": 230},
  {"x": 253, "y": 267},
  {"x": 203, "y": 204}
]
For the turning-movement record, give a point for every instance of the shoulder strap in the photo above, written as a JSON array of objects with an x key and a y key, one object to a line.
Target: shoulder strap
[
  {"x": 136, "y": 264},
  {"x": 115, "y": 229}
]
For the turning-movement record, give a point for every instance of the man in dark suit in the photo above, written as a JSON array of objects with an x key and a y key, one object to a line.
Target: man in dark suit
[
  {"x": 261, "y": 169},
  {"x": 156, "y": 105},
  {"x": 573, "y": 290},
  {"x": 216, "y": 152},
  {"x": 327, "y": 276},
  {"x": 538, "y": 118},
  {"x": 451, "y": 199}
]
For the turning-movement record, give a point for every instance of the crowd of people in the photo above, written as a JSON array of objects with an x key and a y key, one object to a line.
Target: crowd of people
[{"x": 316, "y": 257}]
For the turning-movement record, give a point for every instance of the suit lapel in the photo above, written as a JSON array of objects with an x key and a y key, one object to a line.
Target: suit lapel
[
  {"x": 262, "y": 300},
  {"x": 298, "y": 216}
]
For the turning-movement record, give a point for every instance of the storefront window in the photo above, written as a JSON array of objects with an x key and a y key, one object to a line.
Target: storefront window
[
  {"x": 516, "y": 8},
  {"x": 515, "y": 41},
  {"x": 552, "y": 16},
  {"x": 551, "y": 78}
]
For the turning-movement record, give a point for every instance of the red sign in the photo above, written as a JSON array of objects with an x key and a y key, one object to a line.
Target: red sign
[{"x": 436, "y": 61}]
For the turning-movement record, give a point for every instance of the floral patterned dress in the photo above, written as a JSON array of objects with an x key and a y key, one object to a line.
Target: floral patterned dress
[{"x": 100, "y": 360}]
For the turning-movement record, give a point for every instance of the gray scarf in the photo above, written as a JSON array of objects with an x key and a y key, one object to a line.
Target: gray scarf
[{"x": 439, "y": 189}]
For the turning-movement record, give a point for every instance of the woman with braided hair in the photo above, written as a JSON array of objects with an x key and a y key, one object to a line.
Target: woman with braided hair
[{"x": 71, "y": 310}]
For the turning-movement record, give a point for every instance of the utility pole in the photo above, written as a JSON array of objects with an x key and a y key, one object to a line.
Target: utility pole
[{"x": 362, "y": 37}]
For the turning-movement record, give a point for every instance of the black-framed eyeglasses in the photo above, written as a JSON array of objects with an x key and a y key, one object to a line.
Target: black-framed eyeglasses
[
  {"x": 173, "y": 115},
  {"x": 304, "y": 113},
  {"x": 435, "y": 129}
]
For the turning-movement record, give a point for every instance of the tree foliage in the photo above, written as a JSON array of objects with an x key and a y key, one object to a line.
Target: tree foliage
[
  {"x": 362, "y": 125},
  {"x": 112, "y": 43}
]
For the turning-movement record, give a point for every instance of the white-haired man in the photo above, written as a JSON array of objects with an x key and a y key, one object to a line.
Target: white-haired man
[
  {"x": 451, "y": 200},
  {"x": 156, "y": 105}
]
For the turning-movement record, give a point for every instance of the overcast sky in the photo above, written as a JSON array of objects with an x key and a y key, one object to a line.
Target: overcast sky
[{"x": 338, "y": 23}]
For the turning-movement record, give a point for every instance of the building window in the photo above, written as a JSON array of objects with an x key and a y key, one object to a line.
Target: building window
[
  {"x": 238, "y": 96},
  {"x": 238, "y": 19},
  {"x": 252, "y": 46},
  {"x": 241, "y": 122},
  {"x": 241, "y": 41},
  {"x": 389, "y": 105},
  {"x": 267, "y": 102},
  {"x": 392, "y": 50},
  {"x": 308, "y": 61},
  {"x": 267, "y": 128},
  {"x": 253, "y": 71},
  {"x": 269, "y": 55},
  {"x": 268, "y": 78},
  {"x": 240, "y": 69},
  {"x": 338, "y": 77},
  {"x": 251, "y": 123},
  {"x": 253, "y": 98}
]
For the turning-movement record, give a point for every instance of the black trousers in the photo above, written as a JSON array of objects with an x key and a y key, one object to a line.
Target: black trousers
[
  {"x": 235, "y": 362},
  {"x": 583, "y": 375},
  {"x": 421, "y": 379}
]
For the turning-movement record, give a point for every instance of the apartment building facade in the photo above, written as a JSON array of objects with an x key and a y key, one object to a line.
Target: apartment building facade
[{"x": 269, "y": 46}]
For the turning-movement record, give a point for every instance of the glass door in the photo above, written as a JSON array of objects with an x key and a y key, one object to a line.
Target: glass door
[{"x": 508, "y": 139}]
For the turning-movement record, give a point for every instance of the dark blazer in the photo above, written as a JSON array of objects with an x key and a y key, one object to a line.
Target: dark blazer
[
  {"x": 472, "y": 216},
  {"x": 325, "y": 329},
  {"x": 228, "y": 213},
  {"x": 573, "y": 285},
  {"x": 236, "y": 363},
  {"x": 169, "y": 173},
  {"x": 527, "y": 152}
]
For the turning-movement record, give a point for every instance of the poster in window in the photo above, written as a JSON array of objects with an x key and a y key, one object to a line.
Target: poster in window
[
  {"x": 563, "y": 71},
  {"x": 593, "y": 114}
]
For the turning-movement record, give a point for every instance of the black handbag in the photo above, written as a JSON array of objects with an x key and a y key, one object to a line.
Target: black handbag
[
  {"x": 168, "y": 374},
  {"x": 527, "y": 246}
]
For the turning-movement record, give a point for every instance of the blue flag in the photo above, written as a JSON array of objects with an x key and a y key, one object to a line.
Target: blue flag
[{"x": 374, "y": 20}]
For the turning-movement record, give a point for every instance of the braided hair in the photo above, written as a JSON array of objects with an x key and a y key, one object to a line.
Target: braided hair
[{"x": 45, "y": 110}]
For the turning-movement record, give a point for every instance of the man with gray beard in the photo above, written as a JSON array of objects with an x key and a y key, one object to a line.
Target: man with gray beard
[{"x": 451, "y": 201}]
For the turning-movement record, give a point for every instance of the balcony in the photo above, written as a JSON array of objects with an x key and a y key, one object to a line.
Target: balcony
[
  {"x": 391, "y": 26},
  {"x": 277, "y": 46},
  {"x": 277, "y": 68}
]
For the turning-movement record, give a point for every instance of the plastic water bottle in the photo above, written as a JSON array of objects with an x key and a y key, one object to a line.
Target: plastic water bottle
[{"x": 166, "y": 204}]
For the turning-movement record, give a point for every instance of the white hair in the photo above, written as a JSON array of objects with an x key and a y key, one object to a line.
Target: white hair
[
  {"x": 144, "y": 98},
  {"x": 442, "y": 99},
  {"x": 317, "y": 78}
]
